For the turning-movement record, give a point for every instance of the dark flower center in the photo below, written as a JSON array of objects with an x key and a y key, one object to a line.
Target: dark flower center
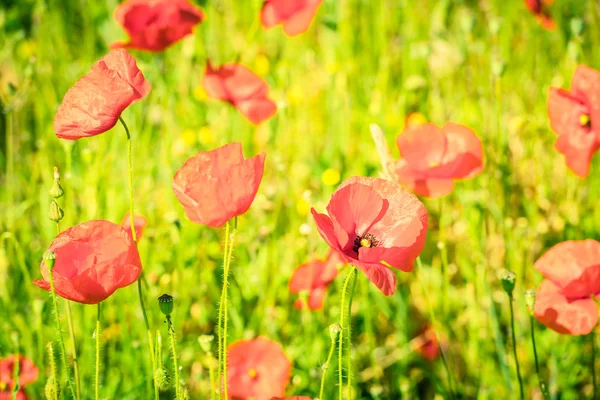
[
  {"x": 584, "y": 120},
  {"x": 366, "y": 240}
]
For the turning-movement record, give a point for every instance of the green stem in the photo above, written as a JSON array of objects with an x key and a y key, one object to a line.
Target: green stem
[
  {"x": 174, "y": 354},
  {"x": 97, "y": 334},
  {"x": 134, "y": 235},
  {"x": 543, "y": 388},
  {"x": 63, "y": 349},
  {"x": 343, "y": 321},
  {"x": 349, "y": 318},
  {"x": 326, "y": 368},
  {"x": 512, "y": 327},
  {"x": 444, "y": 256},
  {"x": 211, "y": 376},
  {"x": 593, "y": 340},
  {"x": 53, "y": 374}
]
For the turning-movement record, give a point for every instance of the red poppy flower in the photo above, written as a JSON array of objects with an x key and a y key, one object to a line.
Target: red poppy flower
[
  {"x": 564, "y": 300},
  {"x": 313, "y": 277},
  {"x": 372, "y": 221},
  {"x": 241, "y": 87},
  {"x": 427, "y": 344},
  {"x": 292, "y": 398},
  {"x": 217, "y": 185},
  {"x": 257, "y": 369},
  {"x": 95, "y": 103},
  {"x": 541, "y": 10},
  {"x": 575, "y": 117},
  {"x": 295, "y": 15},
  {"x": 139, "y": 222},
  {"x": 432, "y": 158},
  {"x": 154, "y": 25},
  {"x": 93, "y": 260},
  {"x": 28, "y": 373}
]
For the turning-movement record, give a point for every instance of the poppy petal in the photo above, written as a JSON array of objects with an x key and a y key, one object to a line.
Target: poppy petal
[
  {"x": 301, "y": 20},
  {"x": 383, "y": 277},
  {"x": 257, "y": 110},
  {"x": 422, "y": 146}
]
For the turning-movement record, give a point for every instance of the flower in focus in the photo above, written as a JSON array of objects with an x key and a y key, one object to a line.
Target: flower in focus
[
  {"x": 93, "y": 260},
  {"x": 372, "y": 221},
  {"x": 564, "y": 301},
  {"x": 28, "y": 373},
  {"x": 217, "y": 185},
  {"x": 154, "y": 25},
  {"x": 139, "y": 222},
  {"x": 313, "y": 277},
  {"x": 432, "y": 158},
  {"x": 257, "y": 369},
  {"x": 241, "y": 87},
  {"x": 295, "y": 15},
  {"x": 575, "y": 118},
  {"x": 95, "y": 103},
  {"x": 541, "y": 10}
]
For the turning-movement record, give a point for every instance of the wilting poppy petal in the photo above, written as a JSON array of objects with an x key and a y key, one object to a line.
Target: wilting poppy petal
[
  {"x": 573, "y": 266},
  {"x": 372, "y": 221},
  {"x": 28, "y": 372},
  {"x": 139, "y": 222},
  {"x": 257, "y": 369},
  {"x": 97, "y": 100},
  {"x": 217, "y": 185},
  {"x": 295, "y": 15},
  {"x": 93, "y": 260},
  {"x": 557, "y": 312},
  {"x": 154, "y": 25}
]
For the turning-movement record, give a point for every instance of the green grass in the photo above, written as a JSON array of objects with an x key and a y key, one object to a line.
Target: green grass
[{"x": 362, "y": 62}]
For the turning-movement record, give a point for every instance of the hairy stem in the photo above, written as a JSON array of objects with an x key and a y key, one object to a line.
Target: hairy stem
[
  {"x": 543, "y": 387},
  {"x": 174, "y": 354},
  {"x": 512, "y": 327},
  {"x": 326, "y": 368},
  {"x": 344, "y": 324}
]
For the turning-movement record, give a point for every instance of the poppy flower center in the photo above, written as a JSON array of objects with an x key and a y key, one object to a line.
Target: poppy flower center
[
  {"x": 367, "y": 240},
  {"x": 584, "y": 120},
  {"x": 434, "y": 164},
  {"x": 252, "y": 373}
]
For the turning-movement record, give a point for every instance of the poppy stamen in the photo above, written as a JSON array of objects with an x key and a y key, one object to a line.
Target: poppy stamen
[
  {"x": 252, "y": 373},
  {"x": 367, "y": 240},
  {"x": 584, "y": 120}
]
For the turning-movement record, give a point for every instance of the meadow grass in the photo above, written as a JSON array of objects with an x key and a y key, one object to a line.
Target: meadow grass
[{"x": 485, "y": 64}]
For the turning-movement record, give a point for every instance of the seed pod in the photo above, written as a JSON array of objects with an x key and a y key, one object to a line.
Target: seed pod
[
  {"x": 56, "y": 191},
  {"x": 334, "y": 331},
  {"x": 165, "y": 302},
  {"x": 56, "y": 213},
  {"x": 509, "y": 279},
  {"x": 49, "y": 258}
]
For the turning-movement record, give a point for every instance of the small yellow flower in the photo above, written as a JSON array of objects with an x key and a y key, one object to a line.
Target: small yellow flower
[
  {"x": 261, "y": 65},
  {"x": 189, "y": 136},
  {"x": 200, "y": 94},
  {"x": 330, "y": 177},
  {"x": 415, "y": 119},
  {"x": 295, "y": 94},
  {"x": 302, "y": 207},
  {"x": 205, "y": 135}
]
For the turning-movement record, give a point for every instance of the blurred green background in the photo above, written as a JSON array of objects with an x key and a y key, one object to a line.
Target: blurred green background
[{"x": 486, "y": 64}]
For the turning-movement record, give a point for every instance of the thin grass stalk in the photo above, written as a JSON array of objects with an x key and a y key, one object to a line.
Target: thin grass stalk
[
  {"x": 512, "y": 327},
  {"x": 97, "y": 336}
]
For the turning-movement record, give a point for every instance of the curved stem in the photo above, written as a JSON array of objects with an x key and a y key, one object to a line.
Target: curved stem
[
  {"x": 341, "y": 336},
  {"x": 97, "y": 334},
  {"x": 543, "y": 388},
  {"x": 134, "y": 235},
  {"x": 326, "y": 368},
  {"x": 512, "y": 327},
  {"x": 174, "y": 354}
]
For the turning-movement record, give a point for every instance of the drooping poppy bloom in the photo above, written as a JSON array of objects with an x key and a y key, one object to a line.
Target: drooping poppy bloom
[
  {"x": 541, "y": 10},
  {"x": 97, "y": 100},
  {"x": 154, "y": 25},
  {"x": 575, "y": 118},
  {"x": 241, "y": 87},
  {"x": 564, "y": 300},
  {"x": 93, "y": 260},
  {"x": 313, "y": 277},
  {"x": 28, "y": 373},
  {"x": 139, "y": 222},
  {"x": 257, "y": 369},
  {"x": 372, "y": 221},
  {"x": 432, "y": 158},
  {"x": 295, "y": 15},
  {"x": 217, "y": 185}
]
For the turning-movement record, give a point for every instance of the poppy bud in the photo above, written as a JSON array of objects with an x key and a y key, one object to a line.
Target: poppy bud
[
  {"x": 56, "y": 213},
  {"x": 162, "y": 378},
  {"x": 508, "y": 279},
  {"x": 56, "y": 191},
  {"x": 205, "y": 342},
  {"x": 165, "y": 302},
  {"x": 49, "y": 258},
  {"x": 530, "y": 300},
  {"x": 334, "y": 330}
]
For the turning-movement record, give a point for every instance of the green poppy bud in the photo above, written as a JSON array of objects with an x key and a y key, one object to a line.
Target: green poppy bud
[
  {"x": 56, "y": 213},
  {"x": 334, "y": 331},
  {"x": 56, "y": 191},
  {"x": 165, "y": 302},
  {"x": 49, "y": 258},
  {"x": 530, "y": 300},
  {"x": 509, "y": 279}
]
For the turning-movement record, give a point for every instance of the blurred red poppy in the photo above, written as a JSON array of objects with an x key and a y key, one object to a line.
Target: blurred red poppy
[
  {"x": 139, "y": 222},
  {"x": 541, "y": 10},
  {"x": 295, "y": 15},
  {"x": 28, "y": 373},
  {"x": 241, "y": 87},
  {"x": 313, "y": 277},
  {"x": 292, "y": 398},
  {"x": 95, "y": 103},
  {"x": 217, "y": 185},
  {"x": 575, "y": 118},
  {"x": 427, "y": 344},
  {"x": 93, "y": 260},
  {"x": 257, "y": 369},
  {"x": 372, "y": 221},
  {"x": 564, "y": 301},
  {"x": 154, "y": 25},
  {"x": 432, "y": 158}
]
